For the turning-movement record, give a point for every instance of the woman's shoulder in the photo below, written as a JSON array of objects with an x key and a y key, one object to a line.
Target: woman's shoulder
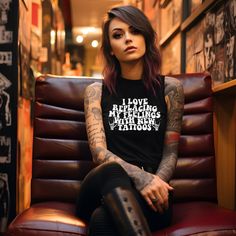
[
  {"x": 93, "y": 90},
  {"x": 171, "y": 84},
  {"x": 96, "y": 86},
  {"x": 171, "y": 80}
]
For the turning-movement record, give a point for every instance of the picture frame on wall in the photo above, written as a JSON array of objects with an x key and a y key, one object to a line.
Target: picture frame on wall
[
  {"x": 219, "y": 44},
  {"x": 195, "y": 61}
]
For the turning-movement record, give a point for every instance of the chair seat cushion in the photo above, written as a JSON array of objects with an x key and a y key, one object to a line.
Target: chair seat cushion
[
  {"x": 48, "y": 219},
  {"x": 200, "y": 218},
  {"x": 58, "y": 219}
]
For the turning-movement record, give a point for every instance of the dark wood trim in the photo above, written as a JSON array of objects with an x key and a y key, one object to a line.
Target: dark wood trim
[
  {"x": 183, "y": 52},
  {"x": 170, "y": 35},
  {"x": 227, "y": 88},
  {"x": 164, "y": 3},
  {"x": 185, "y": 10},
  {"x": 196, "y": 14}
]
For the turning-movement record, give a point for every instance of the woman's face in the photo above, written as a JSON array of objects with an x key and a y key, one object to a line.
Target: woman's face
[{"x": 127, "y": 43}]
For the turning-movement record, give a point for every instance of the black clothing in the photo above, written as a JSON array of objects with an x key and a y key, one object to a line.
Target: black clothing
[
  {"x": 102, "y": 180},
  {"x": 101, "y": 223},
  {"x": 135, "y": 122}
]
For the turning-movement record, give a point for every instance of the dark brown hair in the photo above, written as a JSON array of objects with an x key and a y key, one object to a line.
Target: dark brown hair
[{"x": 135, "y": 18}]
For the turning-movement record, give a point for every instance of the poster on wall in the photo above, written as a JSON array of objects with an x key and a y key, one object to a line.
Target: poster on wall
[
  {"x": 219, "y": 41},
  {"x": 231, "y": 9},
  {"x": 194, "y": 49},
  {"x": 6, "y": 63},
  {"x": 230, "y": 44},
  {"x": 199, "y": 62},
  {"x": 8, "y": 107},
  {"x": 217, "y": 70},
  {"x": 5, "y": 119},
  {"x": 230, "y": 58},
  {"x": 209, "y": 43}
]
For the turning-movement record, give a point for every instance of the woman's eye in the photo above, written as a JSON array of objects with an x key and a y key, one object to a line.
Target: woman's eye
[
  {"x": 117, "y": 35},
  {"x": 135, "y": 31}
]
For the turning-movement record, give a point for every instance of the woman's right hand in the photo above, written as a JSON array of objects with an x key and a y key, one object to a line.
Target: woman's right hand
[{"x": 156, "y": 194}]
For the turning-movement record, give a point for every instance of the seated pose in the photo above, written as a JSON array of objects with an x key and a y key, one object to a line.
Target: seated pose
[{"x": 133, "y": 122}]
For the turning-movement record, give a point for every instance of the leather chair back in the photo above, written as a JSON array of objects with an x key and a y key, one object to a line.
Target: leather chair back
[
  {"x": 61, "y": 156},
  {"x": 195, "y": 176}
]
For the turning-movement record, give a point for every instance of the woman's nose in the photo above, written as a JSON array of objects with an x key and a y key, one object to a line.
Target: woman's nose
[{"x": 128, "y": 37}]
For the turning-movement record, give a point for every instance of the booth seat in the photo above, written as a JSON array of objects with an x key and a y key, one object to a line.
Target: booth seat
[{"x": 61, "y": 159}]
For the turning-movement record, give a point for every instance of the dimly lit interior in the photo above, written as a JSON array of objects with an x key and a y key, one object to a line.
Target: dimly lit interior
[{"x": 50, "y": 53}]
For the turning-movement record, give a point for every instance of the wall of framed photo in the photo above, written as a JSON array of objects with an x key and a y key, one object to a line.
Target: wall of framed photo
[{"x": 196, "y": 36}]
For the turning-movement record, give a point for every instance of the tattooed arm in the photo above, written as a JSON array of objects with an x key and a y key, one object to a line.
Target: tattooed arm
[
  {"x": 175, "y": 102},
  {"x": 97, "y": 140},
  {"x": 159, "y": 188}
]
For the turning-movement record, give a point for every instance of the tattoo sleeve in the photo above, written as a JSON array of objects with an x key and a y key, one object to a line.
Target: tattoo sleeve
[
  {"x": 175, "y": 103},
  {"x": 97, "y": 139}
]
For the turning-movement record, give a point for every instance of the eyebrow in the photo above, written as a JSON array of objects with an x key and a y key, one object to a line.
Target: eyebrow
[
  {"x": 116, "y": 29},
  {"x": 120, "y": 28}
]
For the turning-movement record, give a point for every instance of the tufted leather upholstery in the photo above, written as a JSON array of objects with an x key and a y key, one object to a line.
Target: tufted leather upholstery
[
  {"x": 61, "y": 159},
  {"x": 195, "y": 174}
]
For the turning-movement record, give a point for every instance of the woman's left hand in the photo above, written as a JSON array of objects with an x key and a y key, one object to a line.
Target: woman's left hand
[{"x": 156, "y": 193}]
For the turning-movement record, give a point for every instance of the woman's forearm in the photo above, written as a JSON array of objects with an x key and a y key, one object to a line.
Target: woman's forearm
[
  {"x": 168, "y": 163},
  {"x": 140, "y": 177}
]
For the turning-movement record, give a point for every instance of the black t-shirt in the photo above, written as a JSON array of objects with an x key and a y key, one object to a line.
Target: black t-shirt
[{"x": 135, "y": 121}]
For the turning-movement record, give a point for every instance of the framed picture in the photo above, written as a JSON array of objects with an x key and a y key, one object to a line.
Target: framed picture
[{"x": 194, "y": 49}]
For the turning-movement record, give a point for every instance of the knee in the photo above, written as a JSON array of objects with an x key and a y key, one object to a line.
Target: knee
[
  {"x": 113, "y": 169},
  {"x": 108, "y": 176}
]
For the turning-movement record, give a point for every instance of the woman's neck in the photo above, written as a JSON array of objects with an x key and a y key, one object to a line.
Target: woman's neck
[{"x": 133, "y": 70}]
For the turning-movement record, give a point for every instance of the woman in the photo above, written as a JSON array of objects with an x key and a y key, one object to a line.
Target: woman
[{"x": 133, "y": 124}]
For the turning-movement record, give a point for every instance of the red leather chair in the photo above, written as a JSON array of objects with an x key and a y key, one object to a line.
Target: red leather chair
[{"x": 61, "y": 159}]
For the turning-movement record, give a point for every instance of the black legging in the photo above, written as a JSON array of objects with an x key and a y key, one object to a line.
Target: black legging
[{"x": 99, "y": 182}]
